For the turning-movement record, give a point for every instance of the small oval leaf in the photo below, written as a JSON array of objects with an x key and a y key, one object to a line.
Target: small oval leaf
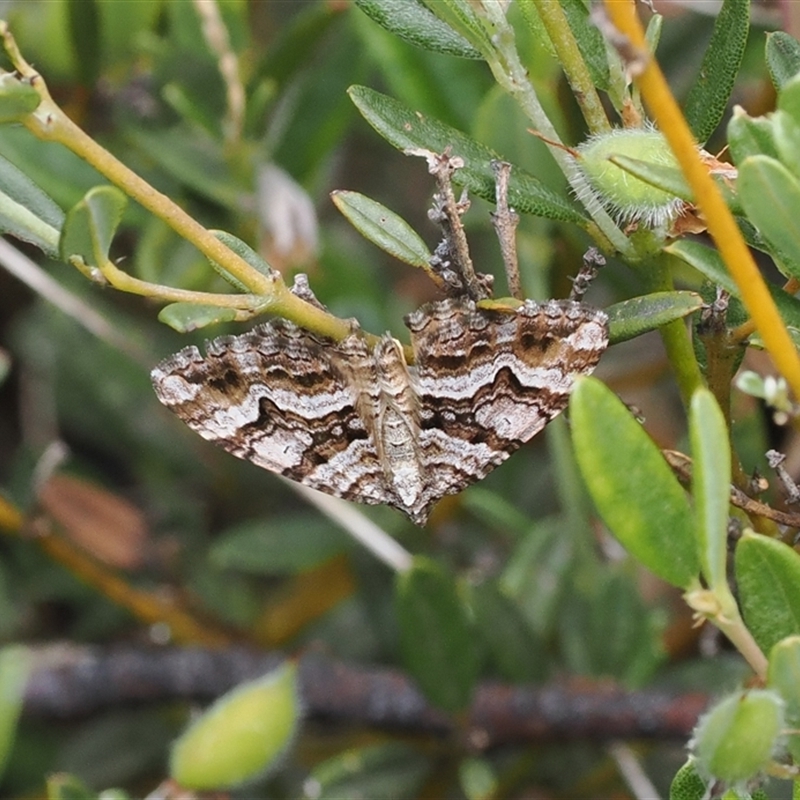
[
  {"x": 241, "y": 736},
  {"x": 769, "y": 194},
  {"x": 246, "y": 253},
  {"x": 383, "y": 227},
  {"x": 26, "y": 212},
  {"x": 286, "y": 546},
  {"x": 15, "y": 663},
  {"x": 393, "y": 771},
  {"x": 411, "y": 21},
  {"x": 750, "y": 136},
  {"x": 516, "y": 651},
  {"x": 187, "y": 317},
  {"x": 783, "y": 57},
  {"x": 789, "y": 99},
  {"x": 632, "y": 318},
  {"x": 768, "y": 577},
  {"x": 687, "y": 784},
  {"x": 786, "y": 133},
  {"x": 90, "y": 225},
  {"x": 461, "y": 16},
  {"x": 631, "y": 484},
  {"x": 436, "y": 639},
  {"x": 711, "y": 485}
]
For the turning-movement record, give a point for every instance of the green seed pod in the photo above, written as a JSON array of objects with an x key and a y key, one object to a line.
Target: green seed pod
[
  {"x": 241, "y": 736},
  {"x": 736, "y": 739},
  {"x": 627, "y": 198}
]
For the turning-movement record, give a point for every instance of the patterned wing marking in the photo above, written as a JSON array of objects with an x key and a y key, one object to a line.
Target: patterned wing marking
[
  {"x": 490, "y": 380},
  {"x": 285, "y": 400}
]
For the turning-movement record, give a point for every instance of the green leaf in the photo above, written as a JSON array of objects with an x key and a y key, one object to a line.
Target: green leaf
[
  {"x": 687, "y": 784},
  {"x": 26, "y": 212},
  {"x": 407, "y": 130},
  {"x": 390, "y": 771},
  {"x": 789, "y": 99},
  {"x": 84, "y": 32},
  {"x": 632, "y": 318},
  {"x": 632, "y": 486},
  {"x": 590, "y": 41},
  {"x": 436, "y": 639},
  {"x": 517, "y": 653},
  {"x": 17, "y": 98},
  {"x": 605, "y": 629},
  {"x": 383, "y": 227},
  {"x": 495, "y": 512},
  {"x": 710, "y": 92},
  {"x": 750, "y": 136},
  {"x": 786, "y": 132},
  {"x": 535, "y": 577},
  {"x": 414, "y": 23},
  {"x": 289, "y": 545},
  {"x": 242, "y": 735},
  {"x": 90, "y": 225},
  {"x": 709, "y": 262},
  {"x": 768, "y": 577},
  {"x": 15, "y": 665},
  {"x": 711, "y": 485},
  {"x": 246, "y": 253},
  {"x": 734, "y": 741},
  {"x": 783, "y": 675},
  {"x": 783, "y": 57},
  {"x": 187, "y": 317},
  {"x": 769, "y": 193},
  {"x": 461, "y": 17}
]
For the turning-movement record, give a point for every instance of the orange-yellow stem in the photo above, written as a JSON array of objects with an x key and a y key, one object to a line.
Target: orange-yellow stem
[{"x": 721, "y": 225}]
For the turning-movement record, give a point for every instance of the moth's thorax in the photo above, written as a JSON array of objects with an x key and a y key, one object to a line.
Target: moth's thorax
[{"x": 396, "y": 430}]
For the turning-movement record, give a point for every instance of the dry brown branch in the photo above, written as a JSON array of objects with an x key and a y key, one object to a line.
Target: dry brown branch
[{"x": 69, "y": 682}]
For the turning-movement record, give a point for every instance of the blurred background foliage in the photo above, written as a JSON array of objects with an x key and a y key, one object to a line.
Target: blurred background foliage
[{"x": 231, "y": 543}]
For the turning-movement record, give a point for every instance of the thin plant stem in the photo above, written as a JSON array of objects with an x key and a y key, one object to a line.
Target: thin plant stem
[
  {"x": 512, "y": 76},
  {"x": 675, "y": 337},
  {"x": 551, "y": 13},
  {"x": 216, "y": 34},
  {"x": 719, "y": 607}
]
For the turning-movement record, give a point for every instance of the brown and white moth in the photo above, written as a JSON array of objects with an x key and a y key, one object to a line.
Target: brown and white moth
[{"x": 361, "y": 423}]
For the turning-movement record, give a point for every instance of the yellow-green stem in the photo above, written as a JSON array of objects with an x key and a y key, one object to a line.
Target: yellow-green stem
[
  {"x": 552, "y": 15},
  {"x": 49, "y": 123}
]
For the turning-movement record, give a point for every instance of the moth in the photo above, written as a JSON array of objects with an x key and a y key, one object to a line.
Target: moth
[{"x": 363, "y": 424}]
